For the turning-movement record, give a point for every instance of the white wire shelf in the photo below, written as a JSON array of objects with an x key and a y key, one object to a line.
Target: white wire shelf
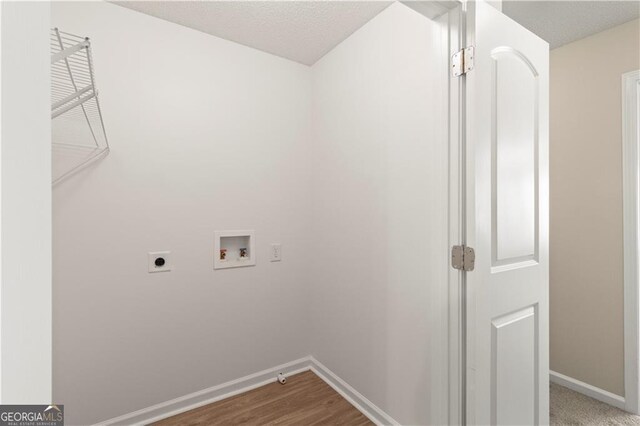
[{"x": 78, "y": 135}]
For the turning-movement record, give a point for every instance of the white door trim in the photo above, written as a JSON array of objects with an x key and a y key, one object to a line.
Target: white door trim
[
  {"x": 630, "y": 173},
  {"x": 450, "y": 15},
  {"x": 457, "y": 340}
]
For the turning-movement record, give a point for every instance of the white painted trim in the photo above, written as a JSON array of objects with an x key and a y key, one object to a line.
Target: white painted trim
[
  {"x": 366, "y": 407},
  {"x": 630, "y": 174},
  {"x": 234, "y": 387},
  {"x": 207, "y": 396},
  {"x": 455, "y": 34},
  {"x": 586, "y": 389}
]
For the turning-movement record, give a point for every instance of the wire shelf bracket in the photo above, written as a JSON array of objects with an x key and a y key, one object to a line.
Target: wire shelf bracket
[{"x": 78, "y": 134}]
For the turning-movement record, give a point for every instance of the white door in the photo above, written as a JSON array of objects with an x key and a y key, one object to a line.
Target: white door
[{"x": 507, "y": 222}]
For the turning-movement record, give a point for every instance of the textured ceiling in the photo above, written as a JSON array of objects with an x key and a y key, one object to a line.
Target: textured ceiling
[
  {"x": 302, "y": 31},
  {"x": 561, "y": 22}
]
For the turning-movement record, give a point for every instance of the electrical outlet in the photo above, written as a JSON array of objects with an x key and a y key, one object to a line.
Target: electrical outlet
[
  {"x": 276, "y": 252},
  {"x": 160, "y": 261}
]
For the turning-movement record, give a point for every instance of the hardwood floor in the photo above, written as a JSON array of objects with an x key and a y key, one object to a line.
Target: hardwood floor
[{"x": 304, "y": 400}]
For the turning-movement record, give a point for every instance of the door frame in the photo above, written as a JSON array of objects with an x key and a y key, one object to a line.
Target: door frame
[
  {"x": 451, "y": 15},
  {"x": 457, "y": 219},
  {"x": 631, "y": 238}
]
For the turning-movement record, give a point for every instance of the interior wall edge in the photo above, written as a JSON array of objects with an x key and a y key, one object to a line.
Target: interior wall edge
[
  {"x": 25, "y": 189},
  {"x": 630, "y": 173}
]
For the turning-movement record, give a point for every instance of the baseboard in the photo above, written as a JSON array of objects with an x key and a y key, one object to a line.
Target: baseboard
[
  {"x": 366, "y": 407},
  {"x": 207, "y": 396},
  {"x": 586, "y": 389},
  {"x": 244, "y": 384}
]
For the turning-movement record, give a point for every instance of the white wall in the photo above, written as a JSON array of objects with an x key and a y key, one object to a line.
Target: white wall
[
  {"x": 25, "y": 189},
  {"x": 205, "y": 135},
  {"x": 379, "y": 281},
  {"x": 208, "y": 135}
]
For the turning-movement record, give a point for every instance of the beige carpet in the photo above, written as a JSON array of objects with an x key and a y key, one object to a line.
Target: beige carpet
[{"x": 572, "y": 408}]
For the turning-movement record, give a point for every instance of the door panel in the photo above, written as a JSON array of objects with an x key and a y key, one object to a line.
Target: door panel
[
  {"x": 507, "y": 222},
  {"x": 514, "y": 181},
  {"x": 513, "y": 346}
]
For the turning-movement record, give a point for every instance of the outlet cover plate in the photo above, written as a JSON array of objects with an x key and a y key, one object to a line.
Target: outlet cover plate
[
  {"x": 166, "y": 255},
  {"x": 276, "y": 252}
]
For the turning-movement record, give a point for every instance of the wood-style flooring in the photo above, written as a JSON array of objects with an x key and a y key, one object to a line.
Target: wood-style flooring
[{"x": 304, "y": 400}]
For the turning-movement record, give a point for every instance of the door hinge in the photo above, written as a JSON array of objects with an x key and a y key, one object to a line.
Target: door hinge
[
  {"x": 462, "y": 61},
  {"x": 463, "y": 258}
]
